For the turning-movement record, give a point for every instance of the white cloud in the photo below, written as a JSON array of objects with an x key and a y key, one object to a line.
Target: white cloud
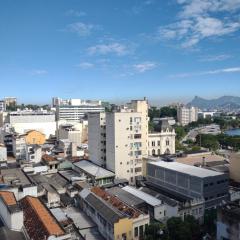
[
  {"x": 75, "y": 13},
  {"x": 213, "y": 58},
  {"x": 82, "y": 29},
  {"x": 144, "y": 66},
  {"x": 210, "y": 72},
  {"x": 38, "y": 72},
  {"x": 111, "y": 48},
  {"x": 200, "y": 19},
  {"x": 85, "y": 65}
]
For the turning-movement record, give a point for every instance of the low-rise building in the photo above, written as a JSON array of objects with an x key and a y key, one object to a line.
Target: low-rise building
[
  {"x": 39, "y": 223},
  {"x": 10, "y": 212},
  {"x": 17, "y": 182},
  {"x": 35, "y": 137},
  {"x": 114, "y": 218},
  {"x": 19, "y": 147},
  {"x": 33, "y": 153},
  {"x": 93, "y": 173},
  {"x": 162, "y": 142},
  {"x": 3, "y": 154}
]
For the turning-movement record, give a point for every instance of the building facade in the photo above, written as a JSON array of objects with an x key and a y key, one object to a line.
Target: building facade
[
  {"x": 162, "y": 142},
  {"x": 187, "y": 115}
]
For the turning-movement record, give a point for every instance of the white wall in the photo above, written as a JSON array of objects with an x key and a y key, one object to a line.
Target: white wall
[{"x": 13, "y": 221}]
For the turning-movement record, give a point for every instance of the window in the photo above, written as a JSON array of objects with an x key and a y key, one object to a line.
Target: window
[
  {"x": 159, "y": 152},
  {"x": 138, "y": 169},
  {"x": 167, "y": 142},
  {"x": 135, "y": 232},
  {"x": 153, "y": 152},
  {"x": 153, "y": 143},
  {"x": 158, "y": 143},
  {"x": 137, "y": 136}
]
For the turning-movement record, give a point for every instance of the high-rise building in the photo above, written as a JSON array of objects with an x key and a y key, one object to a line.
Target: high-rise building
[
  {"x": 187, "y": 115},
  {"x": 75, "y": 109},
  {"x": 119, "y": 139}
]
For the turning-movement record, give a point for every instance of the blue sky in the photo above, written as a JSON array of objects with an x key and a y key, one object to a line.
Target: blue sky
[{"x": 117, "y": 50}]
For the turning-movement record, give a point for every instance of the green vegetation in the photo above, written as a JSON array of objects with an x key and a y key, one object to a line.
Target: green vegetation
[
  {"x": 14, "y": 107},
  {"x": 175, "y": 229},
  {"x": 155, "y": 112}
]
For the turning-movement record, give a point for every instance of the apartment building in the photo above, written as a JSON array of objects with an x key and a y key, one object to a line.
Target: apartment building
[
  {"x": 162, "y": 142},
  {"x": 119, "y": 139},
  {"x": 76, "y": 109},
  {"x": 187, "y": 115},
  {"x": 19, "y": 147}
]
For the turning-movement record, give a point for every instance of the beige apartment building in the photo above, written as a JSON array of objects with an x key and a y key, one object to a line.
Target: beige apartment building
[
  {"x": 187, "y": 115},
  {"x": 118, "y": 140}
]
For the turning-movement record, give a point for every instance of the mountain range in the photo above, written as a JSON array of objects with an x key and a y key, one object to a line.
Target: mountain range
[{"x": 229, "y": 103}]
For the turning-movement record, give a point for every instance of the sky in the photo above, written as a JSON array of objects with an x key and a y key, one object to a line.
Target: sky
[{"x": 165, "y": 50}]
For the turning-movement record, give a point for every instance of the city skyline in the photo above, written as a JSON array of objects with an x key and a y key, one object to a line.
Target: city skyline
[{"x": 164, "y": 50}]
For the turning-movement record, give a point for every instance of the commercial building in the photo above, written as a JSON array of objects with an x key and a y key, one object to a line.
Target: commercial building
[
  {"x": 162, "y": 142},
  {"x": 114, "y": 218},
  {"x": 187, "y": 115},
  {"x": 24, "y": 121},
  {"x": 10, "y": 212},
  {"x": 189, "y": 181},
  {"x": 74, "y": 110},
  {"x": 39, "y": 223},
  {"x": 121, "y": 139}
]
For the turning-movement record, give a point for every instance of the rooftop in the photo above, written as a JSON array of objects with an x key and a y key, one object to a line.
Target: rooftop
[
  {"x": 8, "y": 198},
  {"x": 47, "y": 219},
  {"x": 142, "y": 195},
  {"x": 115, "y": 202},
  {"x": 125, "y": 196},
  {"x": 93, "y": 169},
  {"x": 187, "y": 169},
  {"x": 14, "y": 176}
]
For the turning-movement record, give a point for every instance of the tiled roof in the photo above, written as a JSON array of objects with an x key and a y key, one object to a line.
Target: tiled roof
[
  {"x": 8, "y": 198},
  {"x": 49, "y": 222},
  {"x": 48, "y": 158}
]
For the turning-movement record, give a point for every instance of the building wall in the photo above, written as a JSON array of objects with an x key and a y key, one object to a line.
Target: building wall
[
  {"x": 161, "y": 143},
  {"x": 14, "y": 221},
  {"x": 123, "y": 227},
  {"x": 3, "y": 154},
  {"x": 235, "y": 166},
  {"x": 35, "y": 137},
  {"x": 19, "y": 148},
  {"x": 97, "y": 138}
]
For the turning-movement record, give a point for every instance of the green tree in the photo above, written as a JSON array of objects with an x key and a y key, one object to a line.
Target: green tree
[{"x": 168, "y": 112}]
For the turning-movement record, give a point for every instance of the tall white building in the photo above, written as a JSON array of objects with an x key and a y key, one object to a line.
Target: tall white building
[
  {"x": 75, "y": 109},
  {"x": 118, "y": 140},
  {"x": 187, "y": 115}
]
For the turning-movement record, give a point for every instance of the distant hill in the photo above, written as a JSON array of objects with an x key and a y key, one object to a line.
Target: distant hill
[{"x": 222, "y": 103}]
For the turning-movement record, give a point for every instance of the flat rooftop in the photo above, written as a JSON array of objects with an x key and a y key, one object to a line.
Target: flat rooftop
[
  {"x": 14, "y": 176},
  {"x": 93, "y": 169},
  {"x": 142, "y": 195},
  {"x": 192, "y": 160},
  {"x": 187, "y": 169}
]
